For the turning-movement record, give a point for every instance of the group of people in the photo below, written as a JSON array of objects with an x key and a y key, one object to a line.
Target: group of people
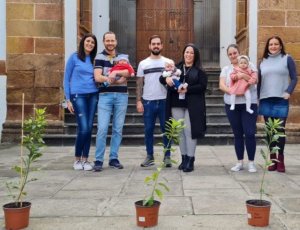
[{"x": 98, "y": 82}]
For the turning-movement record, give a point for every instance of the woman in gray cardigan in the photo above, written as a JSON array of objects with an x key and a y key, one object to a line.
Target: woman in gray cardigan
[
  {"x": 277, "y": 81},
  {"x": 188, "y": 103}
]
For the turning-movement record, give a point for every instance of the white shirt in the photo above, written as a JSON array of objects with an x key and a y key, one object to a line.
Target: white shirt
[
  {"x": 151, "y": 69},
  {"x": 225, "y": 73}
]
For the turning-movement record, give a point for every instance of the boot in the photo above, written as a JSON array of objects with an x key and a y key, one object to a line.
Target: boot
[
  {"x": 280, "y": 164},
  {"x": 190, "y": 164},
  {"x": 274, "y": 166},
  {"x": 183, "y": 162}
]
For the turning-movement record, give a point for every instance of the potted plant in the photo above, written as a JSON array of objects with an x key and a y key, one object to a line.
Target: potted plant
[
  {"x": 16, "y": 213},
  {"x": 148, "y": 208},
  {"x": 258, "y": 210}
]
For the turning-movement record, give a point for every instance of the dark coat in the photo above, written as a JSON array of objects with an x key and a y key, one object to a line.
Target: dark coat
[{"x": 195, "y": 97}]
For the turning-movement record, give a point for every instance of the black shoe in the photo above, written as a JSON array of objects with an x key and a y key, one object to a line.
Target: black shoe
[
  {"x": 167, "y": 162},
  {"x": 183, "y": 162},
  {"x": 114, "y": 163},
  {"x": 189, "y": 165},
  {"x": 149, "y": 161},
  {"x": 98, "y": 166}
]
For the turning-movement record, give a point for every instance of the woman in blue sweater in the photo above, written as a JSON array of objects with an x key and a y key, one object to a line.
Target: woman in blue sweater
[
  {"x": 277, "y": 81},
  {"x": 81, "y": 94}
]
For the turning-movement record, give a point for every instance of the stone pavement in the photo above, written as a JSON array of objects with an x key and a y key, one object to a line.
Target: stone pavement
[{"x": 211, "y": 197}]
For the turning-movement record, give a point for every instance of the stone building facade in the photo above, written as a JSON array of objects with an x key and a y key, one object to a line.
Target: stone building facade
[{"x": 36, "y": 42}]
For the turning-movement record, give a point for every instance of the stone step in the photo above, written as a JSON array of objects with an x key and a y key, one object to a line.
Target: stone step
[
  {"x": 138, "y": 118},
  {"x": 210, "y": 98},
  {"x": 138, "y": 139},
  {"x": 138, "y": 128}
]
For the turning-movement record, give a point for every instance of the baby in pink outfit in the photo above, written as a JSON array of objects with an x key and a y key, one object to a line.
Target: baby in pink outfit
[{"x": 239, "y": 87}]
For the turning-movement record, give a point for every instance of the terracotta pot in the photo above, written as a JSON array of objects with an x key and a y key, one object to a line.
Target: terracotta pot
[
  {"x": 258, "y": 212},
  {"x": 146, "y": 216},
  {"x": 16, "y": 217}
]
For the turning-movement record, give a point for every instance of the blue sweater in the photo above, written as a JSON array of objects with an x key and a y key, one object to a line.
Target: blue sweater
[
  {"x": 79, "y": 76},
  {"x": 277, "y": 75}
]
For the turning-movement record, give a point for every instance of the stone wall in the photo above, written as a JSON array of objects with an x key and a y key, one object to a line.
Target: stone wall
[
  {"x": 282, "y": 18},
  {"x": 35, "y": 56}
]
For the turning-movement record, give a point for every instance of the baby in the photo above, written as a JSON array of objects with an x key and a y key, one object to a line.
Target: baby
[
  {"x": 172, "y": 71},
  {"x": 241, "y": 86},
  {"x": 122, "y": 64}
]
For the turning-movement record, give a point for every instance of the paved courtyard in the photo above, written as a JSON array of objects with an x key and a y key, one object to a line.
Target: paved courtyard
[{"x": 211, "y": 197}]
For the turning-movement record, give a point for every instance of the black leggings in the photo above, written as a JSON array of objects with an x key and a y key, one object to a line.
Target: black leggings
[{"x": 243, "y": 125}]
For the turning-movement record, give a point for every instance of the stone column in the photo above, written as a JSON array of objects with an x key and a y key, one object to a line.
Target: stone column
[{"x": 35, "y": 60}]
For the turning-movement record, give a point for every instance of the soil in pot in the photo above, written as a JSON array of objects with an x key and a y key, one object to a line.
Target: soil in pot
[
  {"x": 16, "y": 217},
  {"x": 147, "y": 216},
  {"x": 258, "y": 212}
]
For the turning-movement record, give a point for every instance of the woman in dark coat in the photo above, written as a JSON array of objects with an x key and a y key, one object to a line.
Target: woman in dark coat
[{"x": 188, "y": 102}]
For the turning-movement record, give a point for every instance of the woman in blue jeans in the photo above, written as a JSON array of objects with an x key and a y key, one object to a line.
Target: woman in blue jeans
[
  {"x": 81, "y": 94},
  {"x": 243, "y": 124}
]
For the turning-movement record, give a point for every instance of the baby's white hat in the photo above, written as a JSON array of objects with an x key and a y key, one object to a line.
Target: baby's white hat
[
  {"x": 243, "y": 57},
  {"x": 122, "y": 57}
]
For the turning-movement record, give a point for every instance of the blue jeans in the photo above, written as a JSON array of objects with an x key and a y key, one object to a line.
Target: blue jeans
[
  {"x": 243, "y": 125},
  {"x": 85, "y": 108},
  {"x": 152, "y": 110},
  {"x": 114, "y": 104}
]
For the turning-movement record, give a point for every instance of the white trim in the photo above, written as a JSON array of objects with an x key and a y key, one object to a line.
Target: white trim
[
  {"x": 2, "y": 30},
  {"x": 253, "y": 6},
  {"x": 100, "y": 20},
  {"x": 227, "y": 28},
  {"x": 70, "y": 28},
  {"x": 3, "y": 78},
  {"x": 3, "y": 104}
]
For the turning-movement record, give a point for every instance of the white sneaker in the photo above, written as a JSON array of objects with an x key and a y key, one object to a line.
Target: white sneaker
[
  {"x": 251, "y": 167},
  {"x": 237, "y": 167},
  {"x": 87, "y": 166},
  {"x": 77, "y": 165}
]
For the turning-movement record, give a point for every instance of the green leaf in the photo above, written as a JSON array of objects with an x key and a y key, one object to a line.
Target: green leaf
[
  {"x": 164, "y": 186},
  {"x": 159, "y": 193},
  {"x": 148, "y": 179},
  {"x": 149, "y": 201}
]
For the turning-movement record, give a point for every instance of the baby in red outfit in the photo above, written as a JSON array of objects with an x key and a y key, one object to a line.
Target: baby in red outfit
[{"x": 122, "y": 64}]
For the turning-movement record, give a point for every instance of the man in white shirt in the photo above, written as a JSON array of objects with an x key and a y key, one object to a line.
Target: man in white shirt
[{"x": 151, "y": 97}]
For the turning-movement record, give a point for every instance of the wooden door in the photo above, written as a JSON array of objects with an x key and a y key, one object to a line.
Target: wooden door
[{"x": 171, "y": 19}]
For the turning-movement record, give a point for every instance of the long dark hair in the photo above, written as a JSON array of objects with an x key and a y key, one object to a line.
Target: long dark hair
[
  {"x": 81, "y": 54},
  {"x": 197, "y": 60},
  {"x": 266, "y": 51}
]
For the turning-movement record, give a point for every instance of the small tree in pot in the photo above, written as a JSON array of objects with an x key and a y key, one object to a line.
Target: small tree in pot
[
  {"x": 258, "y": 209},
  {"x": 148, "y": 208},
  {"x": 34, "y": 129}
]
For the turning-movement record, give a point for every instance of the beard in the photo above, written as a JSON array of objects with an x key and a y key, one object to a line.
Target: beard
[
  {"x": 156, "y": 52},
  {"x": 110, "y": 48}
]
